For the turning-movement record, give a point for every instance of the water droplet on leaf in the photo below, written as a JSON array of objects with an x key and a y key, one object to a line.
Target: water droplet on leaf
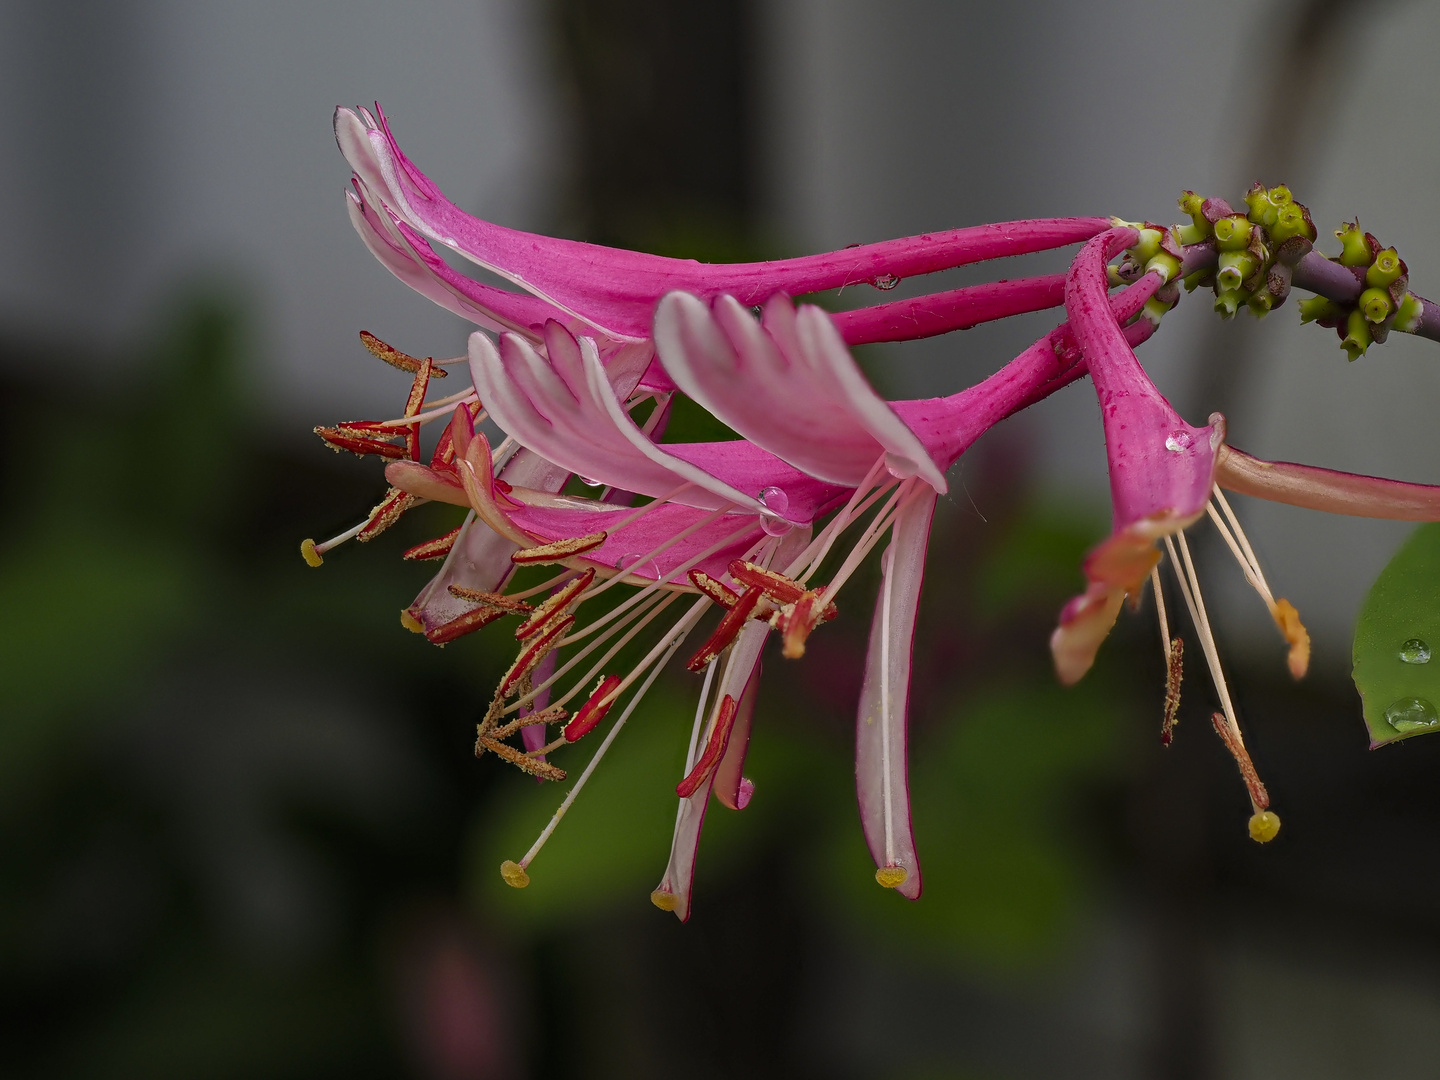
[
  {"x": 1415, "y": 651},
  {"x": 1411, "y": 714}
]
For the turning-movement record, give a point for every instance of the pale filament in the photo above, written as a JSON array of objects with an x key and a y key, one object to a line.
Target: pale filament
[
  {"x": 1190, "y": 589},
  {"x": 835, "y": 529},
  {"x": 851, "y": 510},
  {"x": 336, "y": 541},
  {"x": 1243, "y": 552},
  {"x": 686, "y": 623},
  {"x": 579, "y": 687},
  {"x": 888, "y": 566},
  {"x": 1160, "y": 612},
  {"x": 441, "y": 407},
  {"x": 872, "y": 535}
]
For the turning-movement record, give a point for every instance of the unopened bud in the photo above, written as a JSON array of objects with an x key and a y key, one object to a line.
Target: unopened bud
[
  {"x": 1358, "y": 336},
  {"x": 1385, "y": 269},
  {"x": 1354, "y": 248},
  {"x": 1376, "y": 305}
]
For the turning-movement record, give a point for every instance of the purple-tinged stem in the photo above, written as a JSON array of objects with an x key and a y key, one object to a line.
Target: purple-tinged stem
[{"x": 1344, "y": 284}]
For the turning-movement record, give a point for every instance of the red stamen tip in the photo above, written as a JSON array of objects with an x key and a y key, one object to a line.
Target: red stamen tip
[{"x": 594, "y": 709}]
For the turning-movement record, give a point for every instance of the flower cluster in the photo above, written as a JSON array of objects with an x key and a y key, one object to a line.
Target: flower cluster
[{"x": 730, "y": 542}]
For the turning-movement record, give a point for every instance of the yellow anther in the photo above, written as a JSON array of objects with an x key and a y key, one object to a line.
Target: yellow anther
[
  {"x": 311, "y": 556},
  {"x": 411, "y": 623},
  {"x": 1264, "y": 826},
  {"x": 891, "y": 877},
  {"x": 1288, "y": 620},
  {"x": 665, "y": 901},
  {"x": 514, "y": 874}
]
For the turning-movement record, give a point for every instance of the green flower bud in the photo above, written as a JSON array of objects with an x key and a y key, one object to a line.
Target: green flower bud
[
  {"x": 1407, "y": 318},
  {"x": 1260, "y": 303},
  {"x": 1384, "y": 270},
  {"x": 1235, "y": 268},
  {"x": 1193, "y": 204},
  {"x": 1233, "y": 233},
  {"x": 1358, "y": 339},
  {"x": 1167, "y": 264},
  {"x": 1192, "y": 234},
  {"x": 1321, "y": 309},
  {"x": 1376, "y": 305},
  {"x": 1280, "y": 196},
  {"x": 1228, "y": 301},
  {"x": 1354, "y": 250},
  {"x": 1262, "y": 210},
  {"x": 1148, "y": 246},
  {"x": 1289, "y": 221}
]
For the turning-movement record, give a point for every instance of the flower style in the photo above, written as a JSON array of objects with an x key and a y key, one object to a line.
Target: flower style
[{"x": 770, "y": 527}]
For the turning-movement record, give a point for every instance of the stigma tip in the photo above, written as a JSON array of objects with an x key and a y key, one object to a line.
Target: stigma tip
[
  {"x": 1264, "y": 826},
  {"x": 308, "y": 552},
  {"x": 891, "y": 877},
  {"x": 665, "y": 901},
  {"x": 514, "y": 874}
]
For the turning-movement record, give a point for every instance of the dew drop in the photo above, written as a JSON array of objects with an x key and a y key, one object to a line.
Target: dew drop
[
  {"x": 774, "y": 499},
  {"x": 630, "y": 562},
  {"x": 591, "y": 483},
  {"x": 1415, "y": 651},
  {"x": 1411, "y": 714},
  {"x": 886, "y": 282},
  {"x": 1178, "y": 442}
]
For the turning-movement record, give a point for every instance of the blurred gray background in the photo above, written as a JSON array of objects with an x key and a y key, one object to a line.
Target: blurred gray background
[{"x": 147, "y": 146}]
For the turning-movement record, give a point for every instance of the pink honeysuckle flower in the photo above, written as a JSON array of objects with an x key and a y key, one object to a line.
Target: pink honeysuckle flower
[{"x": 1165, "y": 475}]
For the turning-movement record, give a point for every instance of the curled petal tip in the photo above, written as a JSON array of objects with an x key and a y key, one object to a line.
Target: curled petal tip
[
  {"x": 1264, "y": 826},
  {"x": 514, "y": 874},
  {"x": 1084, "y": 624}
]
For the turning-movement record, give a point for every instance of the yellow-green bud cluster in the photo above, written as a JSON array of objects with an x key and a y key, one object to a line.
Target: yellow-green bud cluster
[{"x": 1384, "y": 302}]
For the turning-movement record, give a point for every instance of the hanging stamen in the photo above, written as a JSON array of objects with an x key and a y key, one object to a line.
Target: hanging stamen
[
  {"x": 714, "y": 748},
  {"x": 433, "y": 549},
  {"x": 524, "y": 762},
  {"x": 514, "y": 873},
  {"x": 594, "y": 709},
  {"x": 1174, "y": 662},
  {"x": 360, "y": 441},
  {"x": 532, "y": 654},
  {"x": 558, "y": 550},
  {"x": 559, "y": 601},
  {"x": 729, "y": 627},
  {"x": 1264, "y": 823},
  {"x": 464, "y": 624},
  {"x": 553, "y": 715},
  {"x": 499, "y": 600},
  {"x": 1282, "y": 611},
  {"x": 717, "y": 591},
  {"x": 393, "y": 356}
]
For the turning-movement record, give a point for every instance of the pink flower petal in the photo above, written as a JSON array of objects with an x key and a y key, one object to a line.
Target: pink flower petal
[
  {"x": 616, "y": 291},
  {"x": 881, "y": 774},
  {"x": 673, "y": 892},
  {"x": 790, "y": 386}
]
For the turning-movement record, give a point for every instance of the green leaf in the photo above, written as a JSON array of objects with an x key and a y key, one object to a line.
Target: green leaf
[{"x": 1397, "y": 632}]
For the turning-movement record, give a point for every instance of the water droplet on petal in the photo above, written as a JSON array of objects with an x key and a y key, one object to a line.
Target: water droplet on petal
[
  {"x": 591, "y": 483},
  {"x": 774, "y": 498},
  {"x": 902, "y": 468},
  {"x": 1411, "y": 714},
  {"x": 630, "y": 563},
  {"x": 886, "y": 282},
  {"x": 1415, "y": 651},
  {"x": 1178, "y": 441}
]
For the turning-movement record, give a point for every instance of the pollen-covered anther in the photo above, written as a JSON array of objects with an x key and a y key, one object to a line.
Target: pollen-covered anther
[
  {"x": 1259, "y": 797},
  {"x": 464, "y": 624},
  {"x": 891, "y": 877},
  {"x": 717, "y": 591},
  {"x": 554, "y": 604},
  {"x": 524, "y": 762},
  {"x": 386, "y": 513},
  {"x": 360, "y": 442},
  {"x": 558, "y": 551},
  {"x": 797, "y": 621},
  {"x": 714, "y": 750},
  {"x": 728, "y": 629},
  {"x": 594, "y": 709},
  {"x": 1174, "y": 672},
  {"x": 533, "y": 653},
  {"x": 555, "y": 714},
  {"x": 493, "y": 599},
  {"x": 1298, "y": 638},
  {"x": 393, "y": 356},
  {"x": 432, "y": 549}
]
